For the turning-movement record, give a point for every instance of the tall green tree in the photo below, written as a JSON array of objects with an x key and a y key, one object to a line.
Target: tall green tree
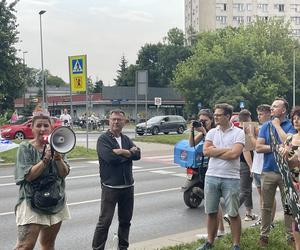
[
  {"x": 159, "y": 59},
  {"x": 121, "y": 73},
  {"x": 11, "y": 69},
  {"x": 98, "y": 85},
  {"x": 251, "y": 63}
]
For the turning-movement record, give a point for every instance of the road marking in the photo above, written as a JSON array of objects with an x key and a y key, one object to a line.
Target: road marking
[
  {"x": 138, "y": 170},
  {"x": 7, "y": 176},
  {"x": 162, "y": 172},
  {"x": 97, "y": 200},
  {"x": 180, "y": 175},
  {"x": 158, "y": 157}
]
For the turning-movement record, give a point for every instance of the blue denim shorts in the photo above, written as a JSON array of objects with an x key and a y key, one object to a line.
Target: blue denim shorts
[
  {"x": 257, "y": 181},
  {"x": 217, "y": 187}
]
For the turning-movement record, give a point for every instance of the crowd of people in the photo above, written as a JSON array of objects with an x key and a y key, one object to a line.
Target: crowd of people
[
  {"x": 231, "y": 168},
  {"x": 233, "y": 165}
]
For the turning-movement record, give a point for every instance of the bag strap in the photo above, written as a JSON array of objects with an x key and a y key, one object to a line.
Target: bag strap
[{"x": 42, "y": 157}]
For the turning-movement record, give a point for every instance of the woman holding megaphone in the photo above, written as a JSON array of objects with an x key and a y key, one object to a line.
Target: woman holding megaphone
[{"x": 40, "y": 173}]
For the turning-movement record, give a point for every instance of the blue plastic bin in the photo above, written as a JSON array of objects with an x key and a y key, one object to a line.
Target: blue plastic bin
[{"x": 187, "y": 156}]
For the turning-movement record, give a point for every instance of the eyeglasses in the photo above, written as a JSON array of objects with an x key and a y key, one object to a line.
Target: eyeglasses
[{"x": 218, "y": 115}]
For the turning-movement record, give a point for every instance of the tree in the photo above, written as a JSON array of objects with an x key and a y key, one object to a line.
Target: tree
[
  {"x": 159, "y": 59},
  {"x": 98, "y": 85},
  {"x": 175, "y": 37},
  {"x": 11, "y": 84},
  {"x": 251, "y": 63},
  {"x": 121, "y": 73}
]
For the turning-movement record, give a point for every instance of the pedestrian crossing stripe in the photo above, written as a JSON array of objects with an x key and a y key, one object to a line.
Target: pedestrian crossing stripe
[{"x": 77, "y": 66}]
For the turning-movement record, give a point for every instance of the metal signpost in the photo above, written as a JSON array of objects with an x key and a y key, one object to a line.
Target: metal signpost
[
  {"x": 157, "y": 102},
  {"x": 78, "y": 82},
  {"x": 142, "y": 88}
]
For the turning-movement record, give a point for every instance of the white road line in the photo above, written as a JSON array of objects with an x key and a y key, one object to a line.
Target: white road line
[
  {"x": 138, "y": 170},
  {"x": 7, "y": 176},
  {"x": 180, "y": 175},
  {"x": 158, "y": 157},
  {"x": 98, "y": 200},
  {"x": 162, "y": 172}
]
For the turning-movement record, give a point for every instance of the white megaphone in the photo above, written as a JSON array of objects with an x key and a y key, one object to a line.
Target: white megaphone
[{"x": 62, "y": 139}]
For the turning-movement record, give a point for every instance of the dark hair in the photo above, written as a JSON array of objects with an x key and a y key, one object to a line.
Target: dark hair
[
  {"x": 117, "y": 111},
  {"x": 228, "y": 109},
  {"x": 264, "y": 108},
  {"x": 206, "y": 112},
  {"x": 295, "y": 111},
  {"x": 285, "y": 103},
  {"x": 244, "y": 115}
]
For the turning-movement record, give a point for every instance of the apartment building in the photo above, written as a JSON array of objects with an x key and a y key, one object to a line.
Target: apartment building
[{"x": 205, "y": 15}]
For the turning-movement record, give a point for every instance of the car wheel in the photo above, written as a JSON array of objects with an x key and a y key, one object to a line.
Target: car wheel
[
  {"x": 19, "y": 136},
  {"x": 155, "y": 131},
  {"x": 140, "y": 134},
  {"x": 166, "y": 133},
  {"x": 180, "y": 130}
]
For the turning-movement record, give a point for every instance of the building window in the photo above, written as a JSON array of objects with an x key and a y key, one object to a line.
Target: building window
[
  {"x": 221, "y": 6},
  {"x": 263, "y": 7},
  {"x": 280, "y": 7},
  {"x": 295, "y": 19},
  {"x": 238, "y": 19},
  {"x": 221, "y": 19},
  {"x": 249, "y": 18},
  {"x": 296, "y": 32},
  {"x": 249, "y": 7},
  {"x": 239, "y": 6},
  {"x": 295, "y": 7}
]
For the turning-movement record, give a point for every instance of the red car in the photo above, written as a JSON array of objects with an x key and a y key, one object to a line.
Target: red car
[{"x": 21, "y": 129}]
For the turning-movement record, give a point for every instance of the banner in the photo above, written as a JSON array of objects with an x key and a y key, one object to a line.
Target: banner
[
  {"x": 78, "y": 72},
  {"x": 292, "y": 197}
]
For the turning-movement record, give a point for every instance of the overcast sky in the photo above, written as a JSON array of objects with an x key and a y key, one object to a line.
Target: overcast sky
[{"x": 104, "y": 30}]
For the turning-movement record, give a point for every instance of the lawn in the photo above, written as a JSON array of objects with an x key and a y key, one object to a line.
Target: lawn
[
  {"x": 249, "y": 240},
  {"x": 164, "y": 139}
]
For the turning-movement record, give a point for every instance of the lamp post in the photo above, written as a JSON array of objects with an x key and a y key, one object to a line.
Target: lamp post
[
  {"x": 294, "y": 77},
  {"x": 42, "y": 61},
  {"x": 25, "y": 75}
]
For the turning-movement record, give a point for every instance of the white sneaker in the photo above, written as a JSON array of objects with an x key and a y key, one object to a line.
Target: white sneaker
[
  {"x": 250, "y": 217},
  {"x": 220, "y": 233}
]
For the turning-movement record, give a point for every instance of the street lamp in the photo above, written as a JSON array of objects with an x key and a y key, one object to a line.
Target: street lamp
[
  {"x": 294, "y": 77},
  {"x": 42, "y": 61}
]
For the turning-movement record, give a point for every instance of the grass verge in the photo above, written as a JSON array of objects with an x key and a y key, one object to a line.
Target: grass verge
[
  {"x": 249, "y": 240},
  {"x": 78, "y": 152},
  {"x": 164, "y": 139}
]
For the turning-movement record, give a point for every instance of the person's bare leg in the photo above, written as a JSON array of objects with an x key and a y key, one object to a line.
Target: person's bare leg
[
  {"x": 212, "y": 226},
  {"x": 235, "y": 225},
  {"x": 27, "y": 236},
  {"x": 48, "y": 236}
]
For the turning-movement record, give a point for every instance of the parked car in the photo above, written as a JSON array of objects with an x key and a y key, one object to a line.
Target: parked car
[
  {"x": 21, "y": 129},
  {"x": 164, "y": 124}
]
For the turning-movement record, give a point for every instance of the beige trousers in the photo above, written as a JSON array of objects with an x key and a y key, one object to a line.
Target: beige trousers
[{"x": 269, "y": 183}]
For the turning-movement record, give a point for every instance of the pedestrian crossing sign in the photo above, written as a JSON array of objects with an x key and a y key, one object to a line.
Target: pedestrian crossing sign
[{"x": 78, "y": 73}]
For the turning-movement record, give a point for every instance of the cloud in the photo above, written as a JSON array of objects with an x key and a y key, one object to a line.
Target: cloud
[{"x": 130, "y": 15}]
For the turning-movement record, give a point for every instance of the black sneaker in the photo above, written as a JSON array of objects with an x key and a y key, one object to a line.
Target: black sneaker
[
  {"x": 206, "y": 245},
  {"x": 236, "y": 247}
]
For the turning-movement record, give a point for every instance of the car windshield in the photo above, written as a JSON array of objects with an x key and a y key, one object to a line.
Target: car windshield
[{"x": 155, "y": 119}]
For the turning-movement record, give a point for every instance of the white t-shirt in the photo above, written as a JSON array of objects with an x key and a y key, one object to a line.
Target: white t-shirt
[
  {"x": 119, "y": 140},
  {"x": 225, "y": 168},
  {"x": 66, "y": 117}
]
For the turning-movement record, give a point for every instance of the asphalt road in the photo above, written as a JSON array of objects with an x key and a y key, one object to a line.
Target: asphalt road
[{"x": 159, "y": 208}]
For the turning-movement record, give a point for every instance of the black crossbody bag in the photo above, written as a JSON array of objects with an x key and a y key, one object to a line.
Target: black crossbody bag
[{"x": 47, "y": 195}]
